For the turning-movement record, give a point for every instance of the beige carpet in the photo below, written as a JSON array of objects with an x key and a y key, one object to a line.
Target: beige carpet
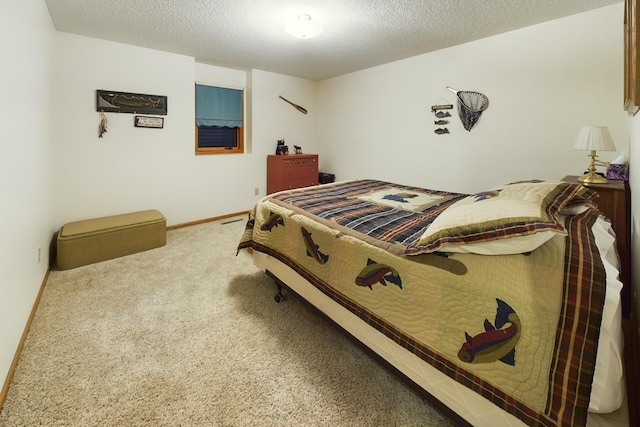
[{"x": 189, "y": 335}]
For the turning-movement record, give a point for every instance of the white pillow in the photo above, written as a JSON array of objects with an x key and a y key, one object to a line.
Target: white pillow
[{"x": 513, "y": 218}]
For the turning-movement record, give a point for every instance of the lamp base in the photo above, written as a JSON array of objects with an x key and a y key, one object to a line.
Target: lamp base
[{"x": 593, "y": 178}]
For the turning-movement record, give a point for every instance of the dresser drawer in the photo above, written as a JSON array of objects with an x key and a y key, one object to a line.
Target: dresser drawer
[
  {"x": 291, "y": 171},
  {"x": 300, "y": 172},
  {"x": 298, "y": 183},
  {"x": 299, "y": 162}
]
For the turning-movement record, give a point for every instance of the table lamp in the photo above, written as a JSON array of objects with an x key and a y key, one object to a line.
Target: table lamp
[{"x": 594, "y": 138}]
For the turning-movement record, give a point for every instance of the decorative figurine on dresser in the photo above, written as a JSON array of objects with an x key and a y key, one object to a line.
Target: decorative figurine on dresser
[
  {"x": 281, "y": 148},
  {"x": 291, "y": 171}
]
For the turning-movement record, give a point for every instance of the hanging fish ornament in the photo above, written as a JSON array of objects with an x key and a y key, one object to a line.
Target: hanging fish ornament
[{"x": 102, "y": 126}]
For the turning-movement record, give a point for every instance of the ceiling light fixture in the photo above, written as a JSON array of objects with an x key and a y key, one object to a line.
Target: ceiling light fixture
[{"x": 303, "y": 27}]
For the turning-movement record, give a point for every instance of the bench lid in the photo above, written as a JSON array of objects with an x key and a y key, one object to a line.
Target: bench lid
[{"x": 90, "y": 226}]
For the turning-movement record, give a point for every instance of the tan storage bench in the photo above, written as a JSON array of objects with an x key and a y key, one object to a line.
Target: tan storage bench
[{"x": 99, "y": 239}]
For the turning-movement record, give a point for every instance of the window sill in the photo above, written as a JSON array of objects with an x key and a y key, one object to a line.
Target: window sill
[{"x": 205, "y": 151}]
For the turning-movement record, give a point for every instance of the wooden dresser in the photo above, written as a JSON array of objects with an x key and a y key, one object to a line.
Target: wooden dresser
[{"x": 291, "y": 171}]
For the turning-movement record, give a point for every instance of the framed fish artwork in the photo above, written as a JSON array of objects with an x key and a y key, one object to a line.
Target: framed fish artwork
[{"x": 125, "y": 102}]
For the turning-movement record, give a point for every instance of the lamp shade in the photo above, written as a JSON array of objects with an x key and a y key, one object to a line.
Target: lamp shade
[{"x": 595, "y": 138}]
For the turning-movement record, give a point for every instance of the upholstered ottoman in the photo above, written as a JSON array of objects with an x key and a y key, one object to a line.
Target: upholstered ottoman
[{"x": 99, "y": 239}]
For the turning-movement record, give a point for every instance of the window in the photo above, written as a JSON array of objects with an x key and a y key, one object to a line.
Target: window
[{"x": 219, "y": 120}]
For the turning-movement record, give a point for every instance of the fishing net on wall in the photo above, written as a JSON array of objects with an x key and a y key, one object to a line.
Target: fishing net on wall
[{"x": 470, "y": 106}]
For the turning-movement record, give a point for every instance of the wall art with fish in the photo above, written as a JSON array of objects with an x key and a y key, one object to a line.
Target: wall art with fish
[{"x": 124, "y": 102}]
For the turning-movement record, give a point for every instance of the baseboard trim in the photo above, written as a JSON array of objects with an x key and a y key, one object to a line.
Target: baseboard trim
[
  {"x": 203, "y": 221},
  {"x": 16, "y": 357}
]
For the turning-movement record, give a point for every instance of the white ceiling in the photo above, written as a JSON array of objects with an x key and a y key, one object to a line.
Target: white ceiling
[{"x": 358, "y": 34}]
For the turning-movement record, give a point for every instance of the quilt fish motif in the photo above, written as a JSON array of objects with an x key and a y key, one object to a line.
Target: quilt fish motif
[
  {"x": 378, "y": 273},
  {"x": 313, "y": 250},
  {"x": 494, "y": 343},
  {"x": 273, "y": 221}
]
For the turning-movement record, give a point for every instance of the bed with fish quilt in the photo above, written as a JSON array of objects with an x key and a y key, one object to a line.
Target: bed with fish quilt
[{"x": 502, "y": 293}]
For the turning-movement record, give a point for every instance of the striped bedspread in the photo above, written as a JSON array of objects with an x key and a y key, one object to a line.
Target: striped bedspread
[
  {"x": 520, "y": 330},
  {"x": 374, "y": 211}
]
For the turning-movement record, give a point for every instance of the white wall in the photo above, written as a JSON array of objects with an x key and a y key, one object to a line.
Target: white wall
[
  {"x": 543, "y": 82},
  {"x": 135, "y": 168},
  {"x": 25, "y": 164},
  {"x": 274, "y": 119}
]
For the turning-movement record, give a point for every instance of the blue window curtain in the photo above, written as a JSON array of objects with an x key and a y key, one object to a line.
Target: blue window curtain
[{"x": 218, "y": 106}]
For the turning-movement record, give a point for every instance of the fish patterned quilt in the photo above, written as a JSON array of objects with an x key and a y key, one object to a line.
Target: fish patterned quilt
[{"x": 521, "y": 330}]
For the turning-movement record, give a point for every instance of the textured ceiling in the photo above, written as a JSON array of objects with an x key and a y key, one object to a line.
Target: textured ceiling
[{"x": 358, "y": 33}]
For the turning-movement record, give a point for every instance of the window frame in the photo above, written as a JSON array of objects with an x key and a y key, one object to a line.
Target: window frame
[{"x": 239, "y": 132}]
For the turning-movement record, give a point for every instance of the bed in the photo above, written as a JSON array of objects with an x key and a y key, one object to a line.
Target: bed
[{"x": 502, "y": 305}]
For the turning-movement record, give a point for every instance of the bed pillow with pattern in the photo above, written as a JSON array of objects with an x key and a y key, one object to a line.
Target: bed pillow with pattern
[{"x": 509, "y": 219}]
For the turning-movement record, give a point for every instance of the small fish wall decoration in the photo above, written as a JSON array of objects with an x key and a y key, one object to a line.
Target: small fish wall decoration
[
  {"x": 440, "y": 114},
  {"x": 102, "y": 126}
]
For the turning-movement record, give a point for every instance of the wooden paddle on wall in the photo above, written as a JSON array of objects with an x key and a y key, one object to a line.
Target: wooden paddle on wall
[{"x": 298, "y": 107}]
